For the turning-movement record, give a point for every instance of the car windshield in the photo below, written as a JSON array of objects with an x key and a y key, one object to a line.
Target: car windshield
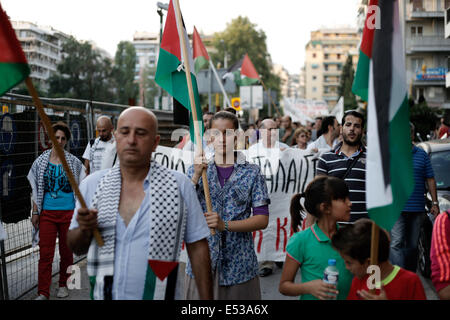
[{"x": 440, "y": 161}]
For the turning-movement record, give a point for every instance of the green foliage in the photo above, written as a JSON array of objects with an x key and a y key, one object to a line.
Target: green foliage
[
  {"x": 345, "y": 87},
  {"x": 123, "y": 73},
  {"x": 150, "y": 86},
  {"x": 82, "y": 74},
  {"x": 241, "y": 37},
  {"x": 423, "y": 117}
]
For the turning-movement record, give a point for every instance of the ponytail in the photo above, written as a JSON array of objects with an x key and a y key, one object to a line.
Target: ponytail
[
  {"x": 322, "y": 189},
  {"x": 297, "y": 212}
]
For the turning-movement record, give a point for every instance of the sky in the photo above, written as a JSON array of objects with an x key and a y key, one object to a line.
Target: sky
[{"x": 286, "y": 23}]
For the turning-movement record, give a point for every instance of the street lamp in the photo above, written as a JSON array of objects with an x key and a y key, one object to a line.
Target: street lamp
[{"x": 161, "y": 6}]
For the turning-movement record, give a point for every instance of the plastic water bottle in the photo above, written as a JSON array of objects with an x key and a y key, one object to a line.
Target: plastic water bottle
[{"x": 331, "y": 275}]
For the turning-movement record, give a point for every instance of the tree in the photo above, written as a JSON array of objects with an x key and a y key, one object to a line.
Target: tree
[
  {"x": 423, "y": 117},
  {"x": 150, "y": 87},
  {"x": 346, "y": 83},
  {"x": 241, "y": 37},
  {"x": 123, "y": 73},
  {"x": 82, "y": 74}
]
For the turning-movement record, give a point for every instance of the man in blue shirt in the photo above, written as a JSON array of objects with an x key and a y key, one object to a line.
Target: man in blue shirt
[{"x": 405, "y": 233}]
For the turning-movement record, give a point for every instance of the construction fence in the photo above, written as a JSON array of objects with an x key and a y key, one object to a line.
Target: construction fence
[{"x": 22, "y": 139}]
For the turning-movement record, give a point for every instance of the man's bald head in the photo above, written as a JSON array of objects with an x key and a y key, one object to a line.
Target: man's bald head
[
  {"x": 268, "y": 124},
  {"x": 136, "y": 137},
  {"x": 104, "y": 128},
  {"x": 138, "y": 112},
  {"x": 269, "y": 133}
]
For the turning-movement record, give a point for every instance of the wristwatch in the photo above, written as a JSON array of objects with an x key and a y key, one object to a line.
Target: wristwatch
[
  {"x": 435, "y": 203},
  {"x": 36, "y": 213}
]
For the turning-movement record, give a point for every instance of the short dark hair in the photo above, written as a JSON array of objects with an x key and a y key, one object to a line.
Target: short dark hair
[
  {"x": 227, "y": 116},
  {"x": 354, "y": 240},
  {"x": 354, "y": 113},
  {"x": 63, "y": 127},
  {"x": 328, "y": 121}
]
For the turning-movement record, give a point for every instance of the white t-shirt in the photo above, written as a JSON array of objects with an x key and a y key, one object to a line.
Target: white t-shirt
[{"x": 104, "y": 154}]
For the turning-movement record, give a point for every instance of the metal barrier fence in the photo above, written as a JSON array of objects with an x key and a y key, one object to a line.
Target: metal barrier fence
[{"x": 22, "y": 139}]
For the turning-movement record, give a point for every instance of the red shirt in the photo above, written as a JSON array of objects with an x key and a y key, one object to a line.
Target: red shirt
[
  {"x": 444, "y": 130},
  {"x": 405, "y": 285},
  {"x": 440, "y": 251}
]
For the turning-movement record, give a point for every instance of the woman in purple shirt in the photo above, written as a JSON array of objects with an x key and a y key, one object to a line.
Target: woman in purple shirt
[{"x": 240, "y": 202}]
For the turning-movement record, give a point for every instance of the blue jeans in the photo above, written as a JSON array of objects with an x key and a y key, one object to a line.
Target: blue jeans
[{"x": 404, "y": 240}]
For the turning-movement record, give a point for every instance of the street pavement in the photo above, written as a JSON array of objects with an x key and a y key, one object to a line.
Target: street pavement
[{"x": 269, "y": 286}]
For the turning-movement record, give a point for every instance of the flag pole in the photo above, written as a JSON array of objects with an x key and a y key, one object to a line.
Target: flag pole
[
  {"x": 198, "y": 139},
  {"x": 374, "y": 245},
  {"x": 270, "y": 98},
  {"x": 59, "y": 151},
  {"x": 220, "y": 83}
]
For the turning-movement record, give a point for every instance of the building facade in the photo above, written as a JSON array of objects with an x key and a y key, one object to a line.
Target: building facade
[
  {"x": 326, "y": 54},
  {"x": 42, "y": 46},
  {"x": 426, "y": 50}
]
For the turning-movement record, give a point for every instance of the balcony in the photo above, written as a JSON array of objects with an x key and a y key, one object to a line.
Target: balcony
[
  {"x": 427, "y": 9},
  {"x": 332, "y": 73},
  {"x": 427, "y": 44}
]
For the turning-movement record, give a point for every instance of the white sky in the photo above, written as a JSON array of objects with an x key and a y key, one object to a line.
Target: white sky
[{"x": 287, "y": 23}]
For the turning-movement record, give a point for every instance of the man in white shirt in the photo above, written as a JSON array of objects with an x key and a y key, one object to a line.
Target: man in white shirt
[
  {"x": 143, "y": 212},
  {"x": 101, "y": 153},
  {"x": 330, "y": 132},
  {"x": 268, "y": 146}
]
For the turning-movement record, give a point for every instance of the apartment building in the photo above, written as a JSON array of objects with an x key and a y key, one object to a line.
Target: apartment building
[
  {"x": 426, "y": 49},
  {"x": 326, "y": 54},
  {"x": 42, "y": 46}
]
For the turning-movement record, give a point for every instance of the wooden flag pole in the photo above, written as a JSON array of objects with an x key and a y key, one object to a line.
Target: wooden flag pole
[
  {"x": 374, "y": 246},
  {"x": 270, "y": 98},
  {"x": 59, "y": 151},
  {"x": 198, "y": 139}
]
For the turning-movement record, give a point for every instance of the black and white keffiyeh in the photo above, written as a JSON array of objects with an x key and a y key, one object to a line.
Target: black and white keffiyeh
[
  {"x": 36, "y": 174},
  {"x": 167, "y": 225}
]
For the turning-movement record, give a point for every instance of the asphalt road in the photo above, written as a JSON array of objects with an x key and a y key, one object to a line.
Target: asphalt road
[{"x": 269, "y": 286}]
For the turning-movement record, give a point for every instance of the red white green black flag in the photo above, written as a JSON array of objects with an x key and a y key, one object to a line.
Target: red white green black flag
[
  {"x": 201, "y": 57},
  {"x": 13, "y": 64},
  {"x": 381, "y": 81},
  {"x": 170, "y": 72}
]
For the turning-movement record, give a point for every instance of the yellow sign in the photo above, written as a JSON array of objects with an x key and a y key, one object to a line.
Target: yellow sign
[
  {"x": 5, "y": 109},
  {"x": 236, "y": 103}
]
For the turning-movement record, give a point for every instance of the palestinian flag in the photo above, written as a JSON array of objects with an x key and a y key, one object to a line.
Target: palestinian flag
[
  {"x": 381, "y": 81},
  {"x": 243, "y": 72},
  {"x": 201, "y": 57},
  {"x": 170, "y": 72},
  {"x": 13, "y": 64}
]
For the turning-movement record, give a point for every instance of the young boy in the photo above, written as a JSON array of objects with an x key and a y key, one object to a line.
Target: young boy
[{"x": 353, "y": 244}]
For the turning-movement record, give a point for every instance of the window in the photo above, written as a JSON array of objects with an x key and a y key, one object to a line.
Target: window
[
  {"x": 313, "y": 55},
  {"x": 338, "y": 56},
  {"x": 314, "y": 89},
  {"x": 416, "y": 31},
  {"x": 326, "y": 56},
  {"x": 416, "y": 64},
  {"x": 314, "y": 77}
]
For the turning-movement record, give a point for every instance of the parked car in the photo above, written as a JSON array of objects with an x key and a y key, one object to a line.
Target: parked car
[{"x": 439, "y": 152}]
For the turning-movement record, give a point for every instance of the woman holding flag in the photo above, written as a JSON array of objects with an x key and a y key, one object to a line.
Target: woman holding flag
[
  {"x": 53, "y": 204},
  {"x": 240, "y": 202}
]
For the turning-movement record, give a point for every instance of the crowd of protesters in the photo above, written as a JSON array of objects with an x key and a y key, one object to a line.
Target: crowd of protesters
[{"x": 129, "y": 199}]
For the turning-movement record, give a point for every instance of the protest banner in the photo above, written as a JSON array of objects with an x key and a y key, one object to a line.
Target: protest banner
[{"x": 286, "y": 172}]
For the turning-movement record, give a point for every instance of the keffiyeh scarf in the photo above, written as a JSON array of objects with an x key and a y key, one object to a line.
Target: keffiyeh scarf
[
  {"x": 167, "y": 225},
  {"x": 37, "y": 171}
]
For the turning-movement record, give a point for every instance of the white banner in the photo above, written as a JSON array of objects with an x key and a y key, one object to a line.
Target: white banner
[{"x": 286, "y": 172}]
